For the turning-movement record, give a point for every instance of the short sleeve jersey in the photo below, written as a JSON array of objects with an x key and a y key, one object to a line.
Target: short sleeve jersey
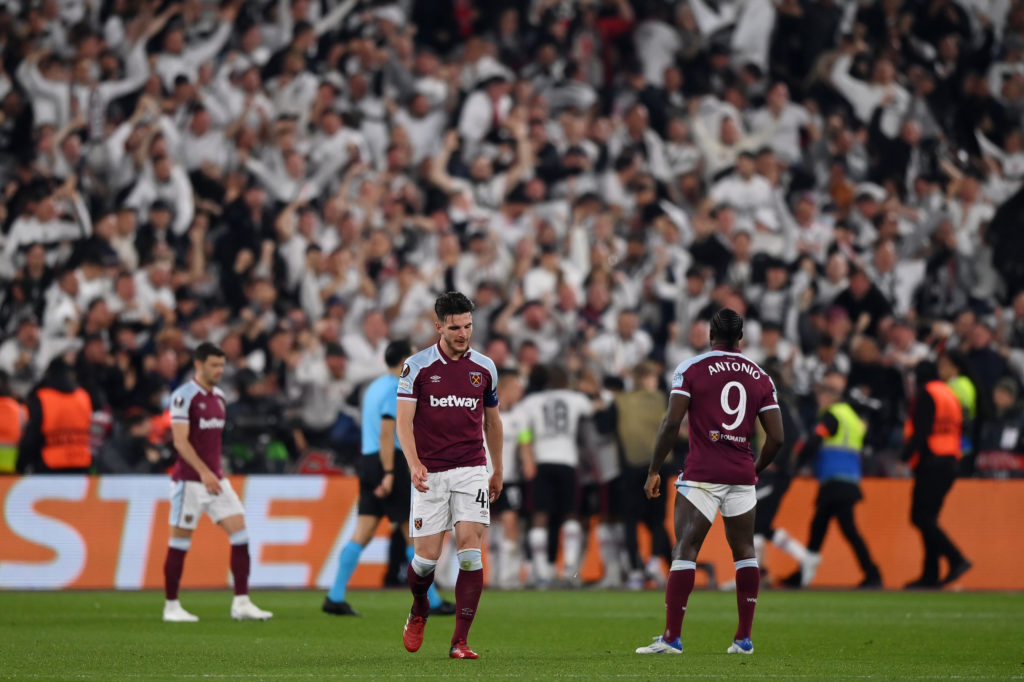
[
  {"x": 204, "y": 412},
  {"x": 450, "y": 397},
  {"x": 554, "y": 418},
  {"x": 727, "y": 392},
  {"x": 515, "y": 432},
  {"x": 379, "y": 402}
]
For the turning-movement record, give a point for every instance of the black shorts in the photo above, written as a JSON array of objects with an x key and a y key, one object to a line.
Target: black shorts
[
  {"x": 554, "y": 490},
  {"x": 771, "y": 486},
  {"x": 396, "y": 505},
  {"x": 512, "y": 498},
  {"x": 600, "y": 499}
]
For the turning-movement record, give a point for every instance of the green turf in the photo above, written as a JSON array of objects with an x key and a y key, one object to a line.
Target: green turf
[{"x": 527, "y": 635}]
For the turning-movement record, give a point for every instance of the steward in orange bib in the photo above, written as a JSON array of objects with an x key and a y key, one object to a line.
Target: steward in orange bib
[
  {"x": 933, "y": 448},
  {"x": 12, "y": 419},
  {"x": 56, "y": 438}
]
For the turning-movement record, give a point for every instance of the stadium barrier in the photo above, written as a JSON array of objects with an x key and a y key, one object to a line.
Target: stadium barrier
[{"x": 81, "y": 532}]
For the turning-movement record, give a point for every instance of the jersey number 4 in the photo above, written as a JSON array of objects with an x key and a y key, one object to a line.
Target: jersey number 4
[
  {"x": 731, "y": 408},
  {"x": 483, "y": 499}
]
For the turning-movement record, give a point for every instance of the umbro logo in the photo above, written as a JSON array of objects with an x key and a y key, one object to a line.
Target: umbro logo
[{"x": 435, "y": 379}]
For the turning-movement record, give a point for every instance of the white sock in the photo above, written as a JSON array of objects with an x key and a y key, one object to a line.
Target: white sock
[
  {"x": 172, "y": 603},
  {"x": 572, "y": 546},
  {"x": 609, "y": 553},
  {"x": 790, "y": 545},
  {"x": 759, "y": 549},
  {"x": 511, "y": 564},
  {"x": 538, "y": 539},
  {"x": 240, "y": 599},
  {"x": 809, "y": 568}
]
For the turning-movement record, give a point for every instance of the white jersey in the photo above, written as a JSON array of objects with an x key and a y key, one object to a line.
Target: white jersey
[
  {"x": 554, "y": 419},
  {"x": 515, "y": 429}
]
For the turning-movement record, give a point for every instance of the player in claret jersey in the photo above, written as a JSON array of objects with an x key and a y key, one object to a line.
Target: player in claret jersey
[
  {"x": 447, "y": 404},
  {"x": 725, "y": 394},
  {"x": 198, "y": 486}
]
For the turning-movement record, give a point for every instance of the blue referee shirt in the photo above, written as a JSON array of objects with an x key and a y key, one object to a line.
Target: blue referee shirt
[{"x": 379, "y": 401}]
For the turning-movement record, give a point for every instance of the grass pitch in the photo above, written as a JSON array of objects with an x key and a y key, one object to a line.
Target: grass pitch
[{"x": 519, "y": 635}]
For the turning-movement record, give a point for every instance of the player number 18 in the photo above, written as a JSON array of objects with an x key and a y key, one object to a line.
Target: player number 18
[{"x": 739, "y": 409}]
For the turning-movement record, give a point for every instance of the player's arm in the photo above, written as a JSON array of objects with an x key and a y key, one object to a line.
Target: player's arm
[
  {"x": 418, "y": 472},
  {"x": 678, "y": 405},
  {"x": 179, "y": 431},
  {"x": 495, "y": 437},
  {"x": 527, "y": 462},
  {"x": 771, "y": 421},
  {"x": 387, "y": 455},
  {"x": 923, "y": 420},
  {"x": 826, "y": 428}
]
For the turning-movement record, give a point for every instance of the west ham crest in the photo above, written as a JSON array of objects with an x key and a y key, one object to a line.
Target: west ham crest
[
  {"x": 476, "y": 378},
  {"x": 715, "y": 436},
  {"x": 418, "y": 523}
]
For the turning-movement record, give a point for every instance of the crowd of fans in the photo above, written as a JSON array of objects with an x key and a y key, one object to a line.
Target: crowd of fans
[{"x": 297, "y": 180}]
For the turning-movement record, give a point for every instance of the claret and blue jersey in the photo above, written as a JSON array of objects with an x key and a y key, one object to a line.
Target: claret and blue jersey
[
  {"x": 450, "y": 397},
  {"x": 204, "y": 412}
]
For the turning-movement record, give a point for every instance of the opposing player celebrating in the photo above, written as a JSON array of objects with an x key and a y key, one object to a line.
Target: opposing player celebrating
[
  {"x": 198, "y": 486},
  {"x": 725, "y": 393},
  {"x": 446, "y": 393}
]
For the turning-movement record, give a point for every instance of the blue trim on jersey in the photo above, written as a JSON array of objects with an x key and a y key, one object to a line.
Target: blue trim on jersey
[
  {"x": 181, "y": 400},
  {"x": 379, "y": 401}
]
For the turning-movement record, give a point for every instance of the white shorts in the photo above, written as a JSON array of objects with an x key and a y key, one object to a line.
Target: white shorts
[
  {"x": 455, "y": 495},
  {"x": 708, "y": 498},
  {"x": 189, "y": 499}
]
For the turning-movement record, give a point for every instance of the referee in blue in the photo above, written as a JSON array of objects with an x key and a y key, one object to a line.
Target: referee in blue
[{"x": 385, "y": 488}]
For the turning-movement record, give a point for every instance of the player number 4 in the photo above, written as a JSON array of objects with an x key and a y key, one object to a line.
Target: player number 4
[
  {"x": 483, "y": 499},
  {"x": 739, "y": 409}
]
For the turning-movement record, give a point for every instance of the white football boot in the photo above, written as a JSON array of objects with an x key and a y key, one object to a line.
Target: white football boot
[
  {"x": 174, "y": 612},
  {"x": 243, "y": 609}
]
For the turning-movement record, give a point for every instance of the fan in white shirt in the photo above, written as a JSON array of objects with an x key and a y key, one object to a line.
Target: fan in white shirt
[
  {"x": 365, "y": 349},
  {"x": 619, "y": 352},
  {"x": 168, "y": 181},
  {"x": 749, "y": 194},
  {"x": 787, "y": 119},
  {"x": 179, "y": 59}
]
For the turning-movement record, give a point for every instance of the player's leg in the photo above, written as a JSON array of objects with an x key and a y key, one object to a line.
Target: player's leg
[
  {"x": 186, "y": 508},
  {"x": 694, "y": 512},
  {"x": 335, "y": 602},
  {"x": 661, "y": 546},
  {"x": 431, "y": 517},
  {"x": 438, "y": 606},
  {"x": 924, "y": 514},
  {"x": 543, "y": 494},
  {"x": 226, "y": 511},
  {"x": 738, "y": 513},
  {"x": 509, "y": 569},
  {"x": 633, "y": 501},
  {"x": 571, "y": 509},
  {"x": 471, "y": 515},
  {"x": 848, "y": 525}
]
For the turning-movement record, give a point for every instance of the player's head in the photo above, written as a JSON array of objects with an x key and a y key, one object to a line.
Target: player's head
[
  {"x": 557, "y": 377},
  {"x": 830, "y": 389},
  {"x": 209, "y": 361},
  {"x": 951, "y": 364},
  {"x": 925, "y": 372},
  {"x": 396, "y": 353},
  {"x": 726, "y": 328},
  {"x": 454, "y": 320},
  {"x": 510, "y": 387}
]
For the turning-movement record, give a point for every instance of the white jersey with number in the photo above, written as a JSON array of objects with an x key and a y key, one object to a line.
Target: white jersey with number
[{"x": 554, "y": 419}]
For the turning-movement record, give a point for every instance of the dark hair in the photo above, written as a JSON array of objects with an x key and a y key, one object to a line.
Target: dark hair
[
  {"x": 727, "y": 327},
  {"x": 925, "y": 371},
  {"x": 208, "y": 350},
  {"x": 557, "y": 377},
  {"x": 396, "y": 352},
  {"x": 452, "y": 303}
]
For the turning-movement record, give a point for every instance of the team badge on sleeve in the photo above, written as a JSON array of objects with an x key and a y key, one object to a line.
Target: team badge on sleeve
[
  {"x": 179, "y": 401},
  {"x": 405, "y": 370},
  {"x": 476, "y": 378}
]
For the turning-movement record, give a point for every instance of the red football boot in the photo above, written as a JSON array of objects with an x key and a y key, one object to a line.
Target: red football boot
[
  {"x": 412, "y": 635},
  {"x": 461, "y": 650}
]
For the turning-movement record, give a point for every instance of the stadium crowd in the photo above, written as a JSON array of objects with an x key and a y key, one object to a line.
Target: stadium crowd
[{"x": 297, "y": 180}]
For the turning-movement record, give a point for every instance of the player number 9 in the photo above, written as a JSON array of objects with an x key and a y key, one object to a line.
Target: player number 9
[{"x": 740, "y": 409}]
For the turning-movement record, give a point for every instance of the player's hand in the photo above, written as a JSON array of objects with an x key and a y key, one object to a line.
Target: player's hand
[
  {"x": 652, "y": 488},
  {"x": 419, "y": 478},
  {"x": 384, "y": 489},
  {"x": 495, "y": 487},
  {"x": 211, "y": 482}
]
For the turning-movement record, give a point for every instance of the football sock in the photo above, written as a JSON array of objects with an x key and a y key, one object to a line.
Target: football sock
[
  {"x": 677, "y": 593},
  {"x": 538, "y": 539},
  {"x": 748, "y": 579},
  {"x": 609, "y": 553},
  {"x": 572, "y": 545},
  {"x": 174, "y": 565},
  {"x": 510, "y": 565},
  {"x": 790, "y": 545},
  {"x": 468, "y": 587},
  {"x": 759, "y": 543},
  {"x": 240, "y": 561},
  {"x": 432, "y": 594},
  {"x": 347, "y": 563},
  {"x": 420, "y": 576}
]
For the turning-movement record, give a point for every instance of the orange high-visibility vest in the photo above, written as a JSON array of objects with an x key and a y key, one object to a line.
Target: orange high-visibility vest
[
  {"x": 12, "y": 415},
  {"x": 944, "y": 440},
  {"x": 66, "y": 421}
]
